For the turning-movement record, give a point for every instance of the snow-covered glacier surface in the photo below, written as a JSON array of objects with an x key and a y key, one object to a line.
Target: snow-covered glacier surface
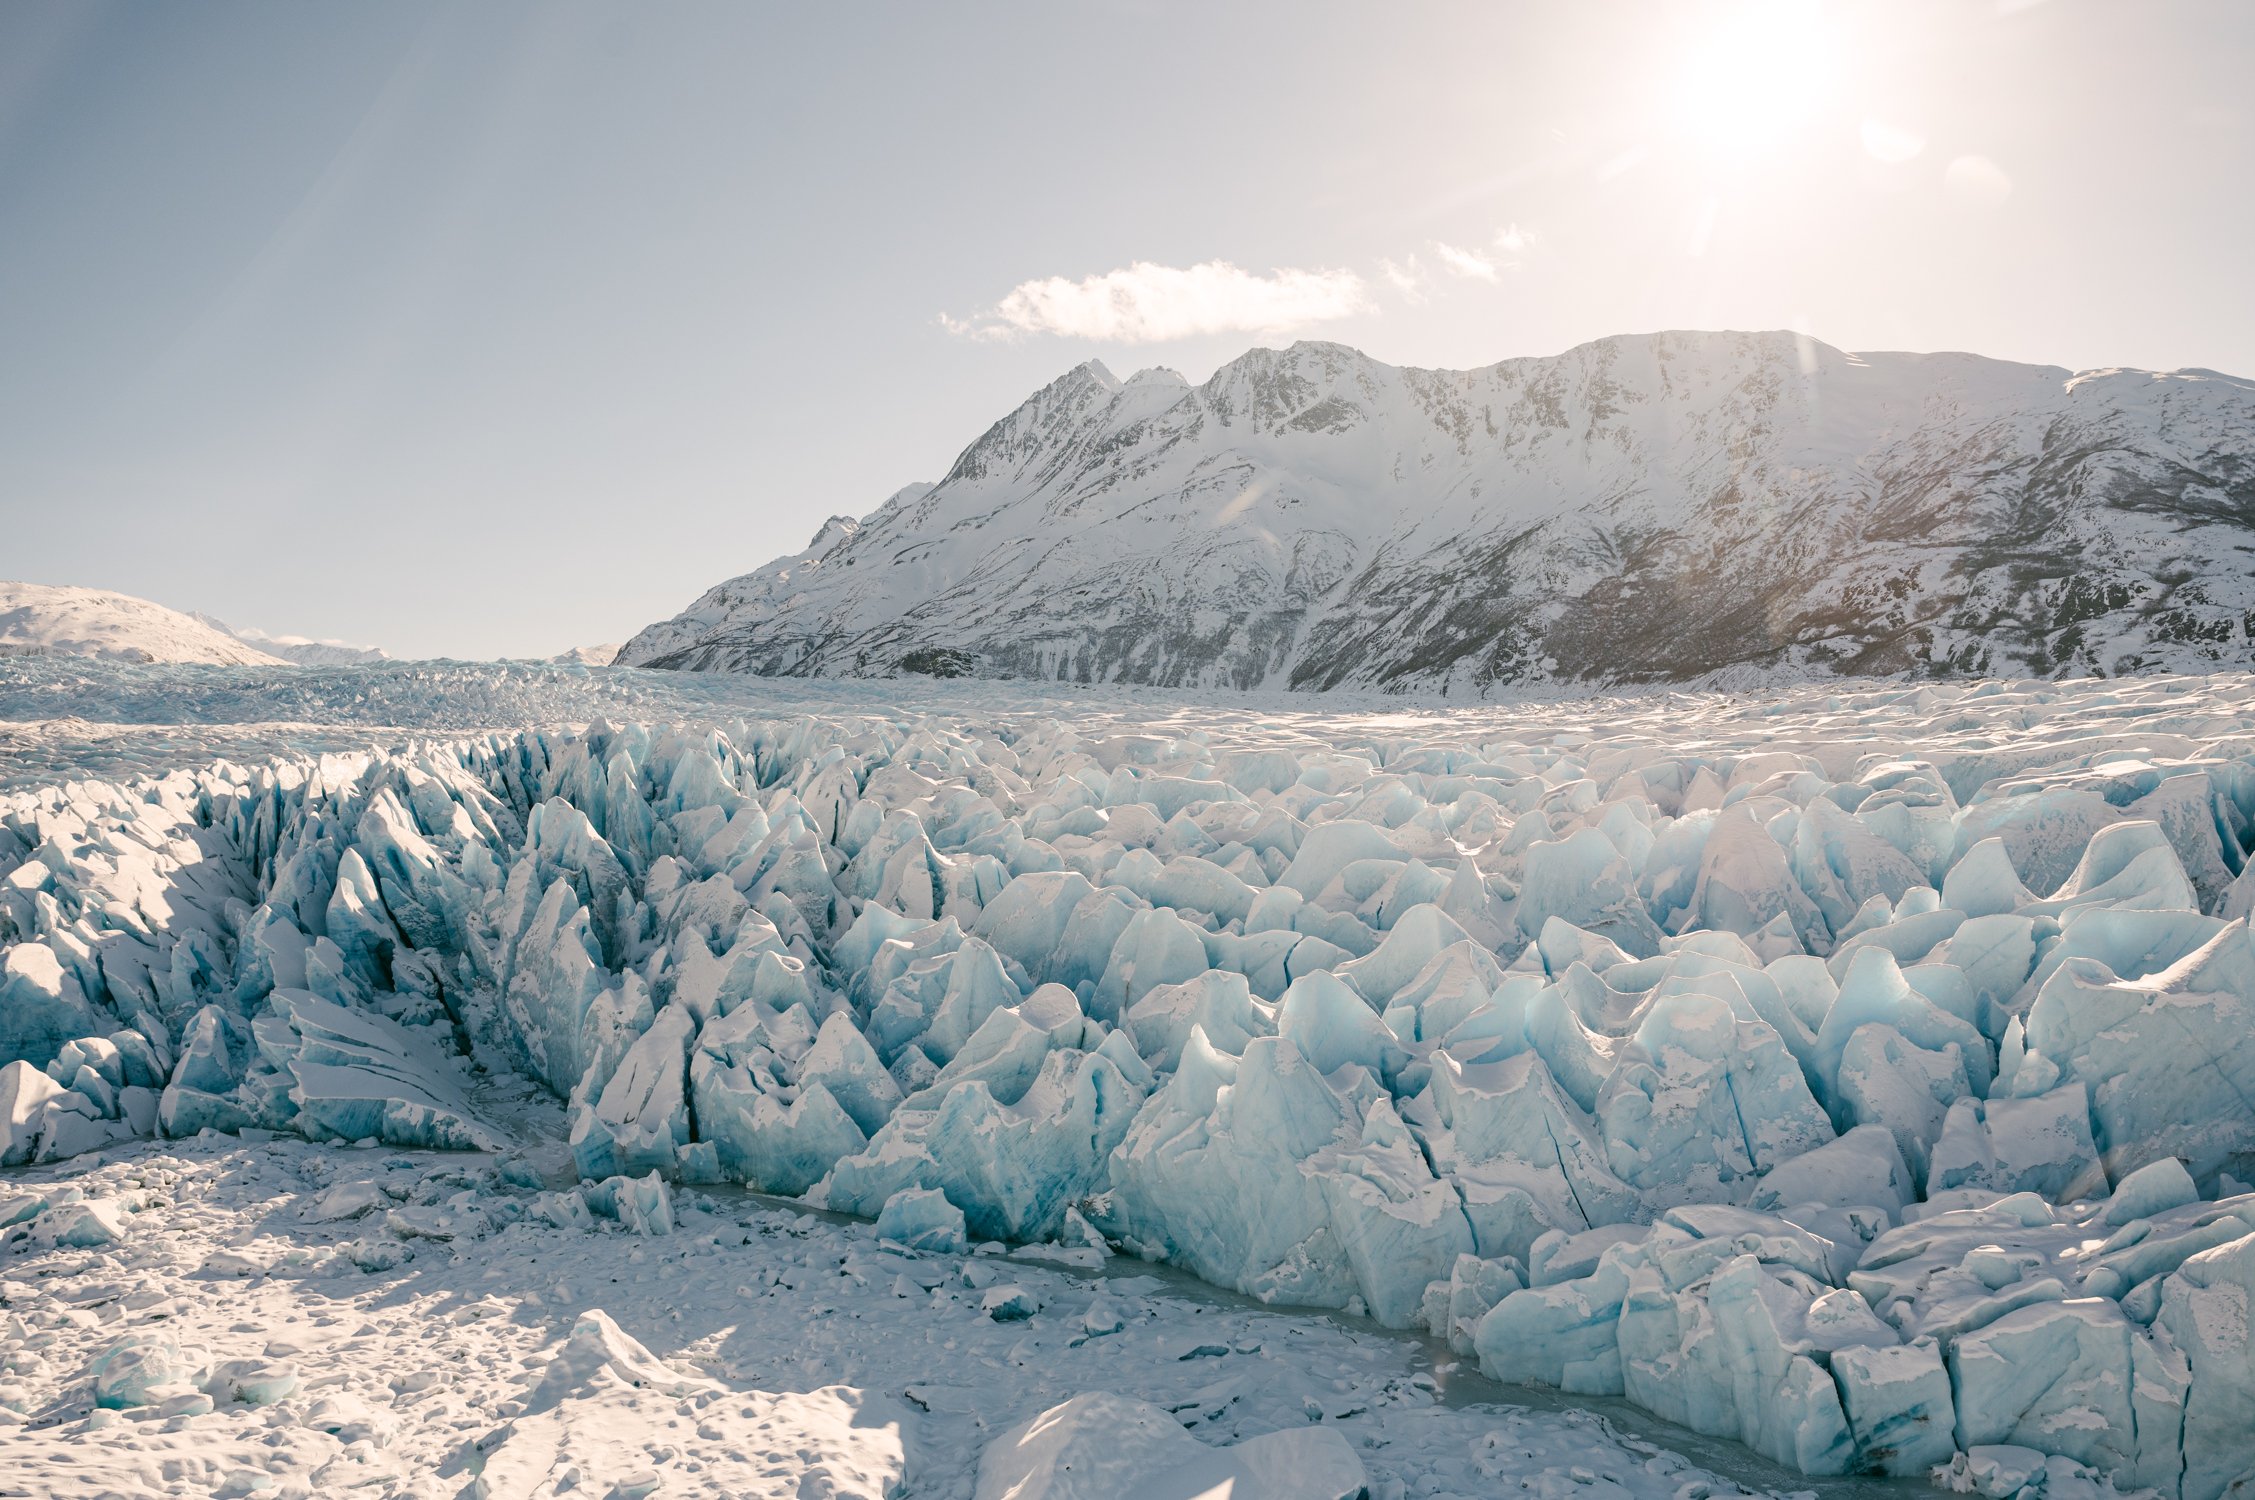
[{"x": 1864, "y": 1078}]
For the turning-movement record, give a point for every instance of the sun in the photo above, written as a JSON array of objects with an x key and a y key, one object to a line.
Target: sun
[{"x": 1750, "y": 81}]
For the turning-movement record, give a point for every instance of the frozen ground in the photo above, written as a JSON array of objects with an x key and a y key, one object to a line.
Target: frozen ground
[
  {"x": 419, "y": 1345},
  {"x": 1863, "y": 1077}
]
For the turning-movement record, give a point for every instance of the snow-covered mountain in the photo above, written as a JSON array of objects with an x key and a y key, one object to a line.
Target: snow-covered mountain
[
  {"x": 303, "y": 650},
  {"x": 48, "y": 620},
  {"x": 1673, "y": 506}
]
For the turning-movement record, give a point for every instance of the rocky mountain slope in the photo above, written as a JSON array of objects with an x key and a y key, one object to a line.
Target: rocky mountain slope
[
  {"x": 1667, "y": 507},
  {"x": 48, "y": 620}
]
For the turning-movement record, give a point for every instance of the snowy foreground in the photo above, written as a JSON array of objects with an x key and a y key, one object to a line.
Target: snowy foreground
[
  {"x": 1865, "y": 1078},
  {"x": 288, "y": 1319}
]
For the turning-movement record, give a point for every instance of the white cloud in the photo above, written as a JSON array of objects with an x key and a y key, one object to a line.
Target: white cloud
[
  {"x": 1465, "y": 262},
  {"x": 1513, "y": 239},
  {"x": 1407, "y": 278},
  {"x": 1976, "y": 179},
  {"x": 1147, "y": 303}
]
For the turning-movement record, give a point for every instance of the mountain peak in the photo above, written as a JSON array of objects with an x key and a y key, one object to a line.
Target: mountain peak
[
  {"x": 832, "y": 532},
  {"x": 1661, "y": 506},
  {"x": 1092, "y": 372}
]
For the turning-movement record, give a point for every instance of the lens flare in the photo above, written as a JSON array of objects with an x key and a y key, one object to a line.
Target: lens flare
[{"x": 1751, "y": 81}]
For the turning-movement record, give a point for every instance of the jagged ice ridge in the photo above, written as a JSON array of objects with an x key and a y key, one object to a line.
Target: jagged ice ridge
[{"x": 1866, "y": 1079}]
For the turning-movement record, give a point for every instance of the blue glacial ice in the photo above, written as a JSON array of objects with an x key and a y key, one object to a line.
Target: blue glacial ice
[{"x": 1865, "y": 1080}]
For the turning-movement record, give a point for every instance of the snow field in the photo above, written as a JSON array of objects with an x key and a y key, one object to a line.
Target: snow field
[
  {"x": 43, "y": 619},
  {"x": 1315, "y": 518},
  {"x": 1866, "y": 1079},
  {"x": 291, "y": 1319}
]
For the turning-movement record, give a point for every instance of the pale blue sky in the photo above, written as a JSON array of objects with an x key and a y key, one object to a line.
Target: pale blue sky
[{"x": 499, "y": 329}]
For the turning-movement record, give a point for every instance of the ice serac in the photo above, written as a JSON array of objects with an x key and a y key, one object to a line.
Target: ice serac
[
  {"x": 1745, "y": 1075},
  {"x": 2168, "y": 1056},
  {"x": 1526, "y": 1160},
  {"x": 2205, "y": 1309},
  {"x": 1703, "y": 1101},
  {"x": 25, "y": 1094},
  {"x": 1015, "y": 1168},
  {"x": 2009, "y": 1145},
  {"x": 347, "y": 1075},
  {"x": 641, "y": 1120},
  {"x": 1314, "y": 518},
  {"x": 41, "y": 1004},
  {"x": 1898, "y": 1404},
  {"x": 1264, "y": 1175},
  {"x": 2056, "y": 1372}
]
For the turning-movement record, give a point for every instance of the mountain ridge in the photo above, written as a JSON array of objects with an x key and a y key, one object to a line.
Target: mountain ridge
[
  {"x": 38, "y": 619},
  {"x": 300, "y": 650},
  {"x": 1642, "y": 508}
]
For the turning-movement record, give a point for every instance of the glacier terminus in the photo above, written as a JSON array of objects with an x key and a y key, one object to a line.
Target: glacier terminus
[{"x": 1861, "y": 1076}]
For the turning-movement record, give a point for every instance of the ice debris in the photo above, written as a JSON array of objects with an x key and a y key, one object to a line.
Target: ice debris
[
  {"x": 1099, "y": 1446},
  {"x": 922, "y": 1219}
]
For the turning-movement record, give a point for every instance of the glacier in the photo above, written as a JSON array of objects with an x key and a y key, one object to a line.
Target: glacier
[{"x": 1863, "y": 1077}]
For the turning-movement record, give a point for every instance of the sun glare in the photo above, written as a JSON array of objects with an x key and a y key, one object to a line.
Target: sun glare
[{"x": 1751, "y": 80}]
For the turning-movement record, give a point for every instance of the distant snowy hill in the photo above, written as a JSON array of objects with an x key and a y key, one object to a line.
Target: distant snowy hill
[
  {"x": 1667, "y": 507},
  {"x": 588, "y": 656},
  {"x": 45, "y": 620},
  {"x": 303, "y": 650}
]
